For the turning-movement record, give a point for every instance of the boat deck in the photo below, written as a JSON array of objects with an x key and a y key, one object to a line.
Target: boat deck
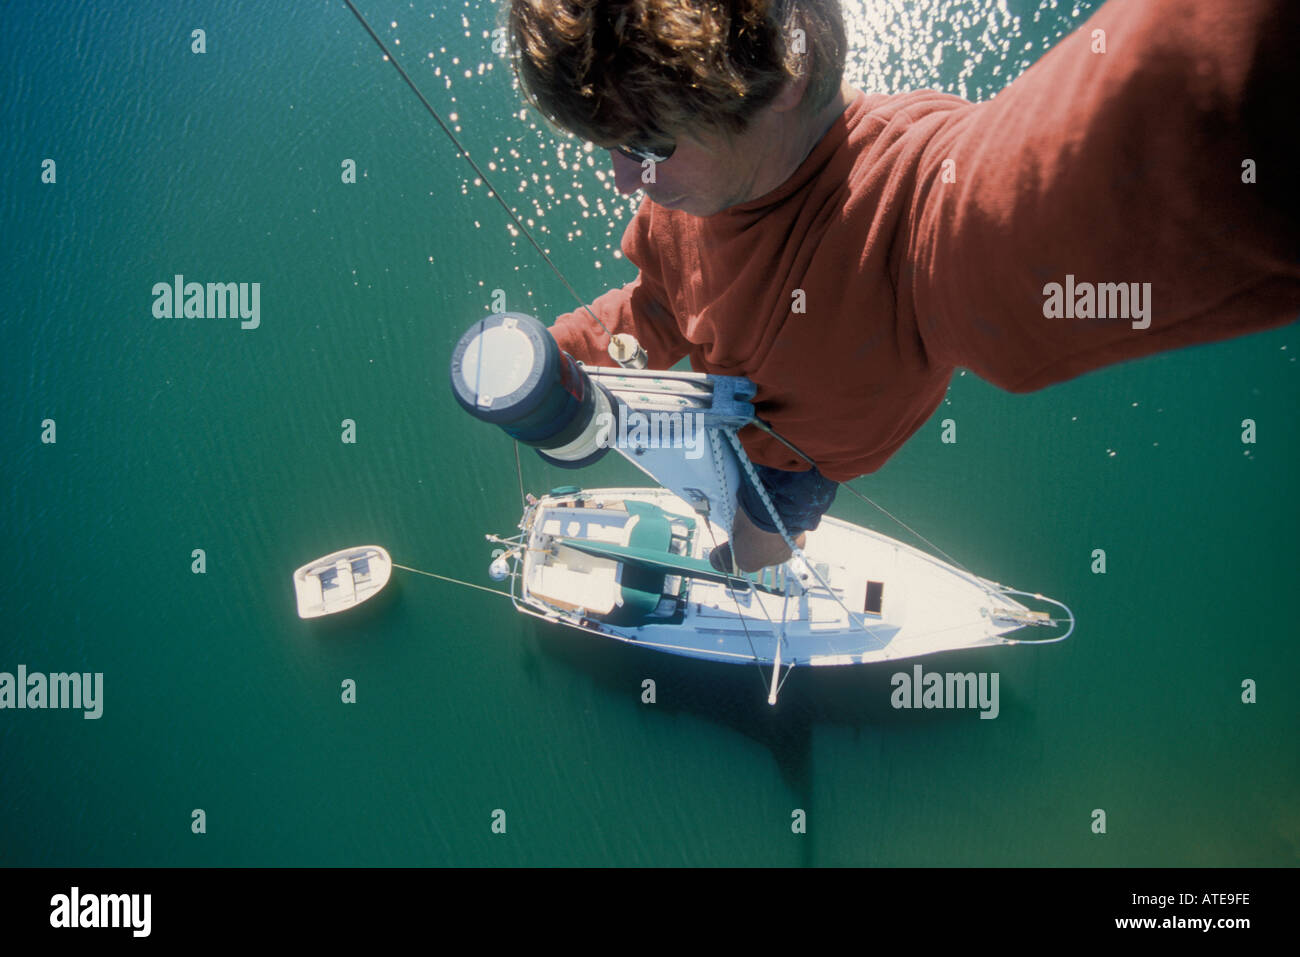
[{"x": 919, "y": 604}]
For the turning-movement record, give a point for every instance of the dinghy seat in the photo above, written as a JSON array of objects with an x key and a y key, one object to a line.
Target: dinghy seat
[
  {"x": 343, "y": 581},
  {"x": 310, "y": 596}
]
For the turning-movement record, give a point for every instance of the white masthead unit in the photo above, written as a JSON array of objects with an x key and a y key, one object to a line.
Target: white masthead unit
[{"x": 507, "y": 370}]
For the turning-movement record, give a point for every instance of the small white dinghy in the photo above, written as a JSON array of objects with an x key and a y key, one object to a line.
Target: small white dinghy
[{"x": 341, "y": 580}]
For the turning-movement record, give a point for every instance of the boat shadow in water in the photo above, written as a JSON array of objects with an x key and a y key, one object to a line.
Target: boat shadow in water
[{"x": 853, "y": 697}]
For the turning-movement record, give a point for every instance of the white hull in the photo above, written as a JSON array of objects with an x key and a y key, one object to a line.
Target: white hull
[
  {"x": 341, "y": 580},
  {"x": 918, "y": 605}
]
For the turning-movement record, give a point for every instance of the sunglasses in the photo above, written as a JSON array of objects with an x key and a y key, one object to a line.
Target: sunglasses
[{"x": 641, "y": 155}]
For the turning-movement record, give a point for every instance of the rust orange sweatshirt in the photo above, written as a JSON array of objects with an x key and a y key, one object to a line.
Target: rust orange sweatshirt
[{"x": 929, "y": 233}]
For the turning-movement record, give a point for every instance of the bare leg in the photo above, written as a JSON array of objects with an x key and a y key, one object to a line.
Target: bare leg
[{"x": 754, "y": 548}]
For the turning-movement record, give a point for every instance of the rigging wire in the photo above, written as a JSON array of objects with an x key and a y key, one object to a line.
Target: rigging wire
[
  {"x": 519, "y": 473},
  {"x": 715, "y": 445},
  {"x": 763, "y": 426},
  {"x": 496, "y": 193},
  {"x": 796, "y": 553},
  {"x": 736, "y": 601}
]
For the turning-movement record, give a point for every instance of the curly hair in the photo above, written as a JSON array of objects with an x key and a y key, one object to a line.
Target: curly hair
[{"x": 647, "y": 71}]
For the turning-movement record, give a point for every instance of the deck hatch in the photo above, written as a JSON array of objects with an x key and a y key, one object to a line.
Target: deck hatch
[{"x": 875, "y": 596}]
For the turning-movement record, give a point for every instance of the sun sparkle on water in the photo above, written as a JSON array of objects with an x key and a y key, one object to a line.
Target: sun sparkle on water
[{"x": 970, "y": 48}]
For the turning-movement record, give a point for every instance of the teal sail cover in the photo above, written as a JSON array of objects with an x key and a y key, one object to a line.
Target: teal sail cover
[
  {"x": 647, "y": 551},
  {"x": 647, "y": 561},
  {"x": 660, "y": 561}
]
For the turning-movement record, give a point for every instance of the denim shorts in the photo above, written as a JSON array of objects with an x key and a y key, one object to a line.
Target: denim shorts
[{"x": 800, "y": 498}]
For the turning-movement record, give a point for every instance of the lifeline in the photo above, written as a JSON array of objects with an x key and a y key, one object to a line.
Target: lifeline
[{"x": 58, "y": 690}]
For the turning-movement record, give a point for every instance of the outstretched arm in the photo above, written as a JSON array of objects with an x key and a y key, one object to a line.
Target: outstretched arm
[
  {"x": 1164, "y": 163},
  {"x": 639, "y": 308}
]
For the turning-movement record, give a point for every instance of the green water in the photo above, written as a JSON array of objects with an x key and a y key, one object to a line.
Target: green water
[{"x": 183, "y": 434}]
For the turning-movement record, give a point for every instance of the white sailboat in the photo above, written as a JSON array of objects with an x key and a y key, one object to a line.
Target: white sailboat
[{"x": 631, "y": 564}]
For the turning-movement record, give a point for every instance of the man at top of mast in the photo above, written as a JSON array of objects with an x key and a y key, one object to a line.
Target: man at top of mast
[{"x": 1126, "y": 195}]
